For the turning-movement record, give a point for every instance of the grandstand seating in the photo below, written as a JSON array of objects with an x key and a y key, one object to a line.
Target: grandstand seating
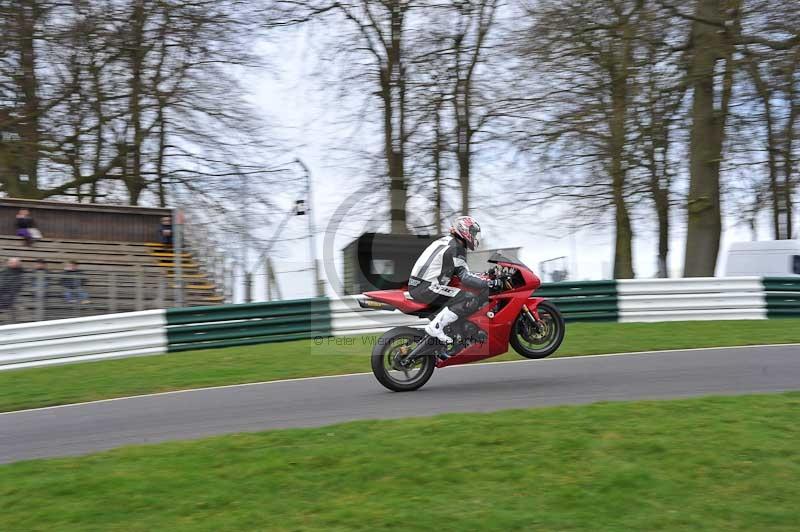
[{"x": 121, "y": 276}]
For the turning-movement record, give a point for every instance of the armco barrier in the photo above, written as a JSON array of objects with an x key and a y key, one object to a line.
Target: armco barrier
[
  {"x": 159, "y": 331},
  {"x": 82, "y": 339},
  {"x": 783, "y": 296},
  {"x": 699, "y": 298},
  {"x": 247, "y": 324},
  {"x": 584, "y": 300}
]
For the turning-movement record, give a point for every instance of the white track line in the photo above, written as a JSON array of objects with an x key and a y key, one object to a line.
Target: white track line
[{"x": 300, "y": 379}]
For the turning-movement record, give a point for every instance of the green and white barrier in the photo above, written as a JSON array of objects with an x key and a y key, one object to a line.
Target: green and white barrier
[
  {"x": 248, "y": 324},
  {"x": 172, "y": 330},
  {"x": 783, "y": 296},
  {"x": 584, "y": 300}
]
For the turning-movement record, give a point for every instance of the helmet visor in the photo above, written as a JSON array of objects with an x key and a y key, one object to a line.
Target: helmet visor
[{"x": 475, "y": 233}]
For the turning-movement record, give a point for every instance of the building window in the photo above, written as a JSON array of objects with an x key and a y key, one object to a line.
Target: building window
[
  {"x": 796, "y": 265},
  {"x": 382, "y": 267}
]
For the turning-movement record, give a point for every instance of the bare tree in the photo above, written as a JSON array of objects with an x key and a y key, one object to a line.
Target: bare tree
[
  {"x": 774, "y": 76},
  {"x": 584, "y": 53},
  {"x": 660, "y": 88},
  {"x": 454, "y": 92},
  {"x": 130, "y": 99},
  {"x": 466, "y": 49},
  {"x": 720, "y": 29},
  {"x": 378, "y": 36}
]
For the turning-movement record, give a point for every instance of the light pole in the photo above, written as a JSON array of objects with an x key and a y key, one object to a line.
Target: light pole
[
  {"x": 246, "y": 241},
  {"x": 312, "y": 241},
  {"x": 177, "y": 245}
]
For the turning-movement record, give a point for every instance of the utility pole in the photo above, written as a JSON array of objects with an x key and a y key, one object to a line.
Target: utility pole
[
  {"x": 246, "y": 241},
  {"x": 312, "y": 242}
]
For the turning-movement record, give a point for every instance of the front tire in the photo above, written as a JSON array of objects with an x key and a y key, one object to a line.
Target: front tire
[
  {"x": 538, "y": 340},
  {"x": 387, "y": 353}
]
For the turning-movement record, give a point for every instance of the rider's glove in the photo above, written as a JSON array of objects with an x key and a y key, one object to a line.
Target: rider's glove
[{"x": 495, "y": 284}]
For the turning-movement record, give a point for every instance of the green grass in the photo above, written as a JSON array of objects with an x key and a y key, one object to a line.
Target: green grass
[
  {"x": 100, "y": 380},
  {"x": 727, "y": 463}
]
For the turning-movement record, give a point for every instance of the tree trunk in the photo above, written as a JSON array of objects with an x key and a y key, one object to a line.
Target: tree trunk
[
  {"x": 98, "y": 107},
  {"x": 27, "y": 15},
  {"x": 461, "y": 104},
  {"x": 776, "y": 195},
  {"x": 393, "y": 92},
  {"x": 765, "y": 94},
  {"x": 623, "y": 245},
  {"x": 162, "y": 149},
  {"x": 135, "y": 183},
  {"x": 623, "y": 248},
  {"x": 709, "y": 113},
  {"x": 789, "y": 134},
  {"x": 662, "y": 211},
  {"x": 438, "y": 150},
  {"x": 658, "y": 158},
  {"x": 464, "y": 171}
]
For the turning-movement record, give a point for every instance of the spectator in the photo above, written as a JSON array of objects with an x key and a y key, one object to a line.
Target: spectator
[
  {"x": 40, "y": 275},
  {"x": 26, "y": 227},
  {"x": 165, "y": 231},
  {"x": 73, "y": 280},
  {"x": 10, "y": 283}
]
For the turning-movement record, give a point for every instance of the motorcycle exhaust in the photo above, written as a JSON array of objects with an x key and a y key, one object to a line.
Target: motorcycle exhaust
[{"x": 375, "y": 305}]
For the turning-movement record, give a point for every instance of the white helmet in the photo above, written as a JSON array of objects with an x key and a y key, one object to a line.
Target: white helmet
[{"x": 468, "y": 230}]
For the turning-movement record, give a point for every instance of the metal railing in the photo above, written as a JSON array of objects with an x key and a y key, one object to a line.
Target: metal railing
[{"x": 37, "y": 295}]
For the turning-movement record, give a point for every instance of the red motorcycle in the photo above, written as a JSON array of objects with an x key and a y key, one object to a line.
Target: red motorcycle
[{"x": 404, "y": 358}]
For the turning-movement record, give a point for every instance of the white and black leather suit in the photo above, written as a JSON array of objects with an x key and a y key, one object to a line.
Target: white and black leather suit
[{"x": 441, "y": 262}]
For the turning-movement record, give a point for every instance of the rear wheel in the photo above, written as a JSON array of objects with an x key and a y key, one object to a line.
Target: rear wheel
[
  {"x": 538, "y": 339},
  {"x": 388, "y": 356}
]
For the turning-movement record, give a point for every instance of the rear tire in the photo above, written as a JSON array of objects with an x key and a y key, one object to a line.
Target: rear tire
[
  {"x": 535, "y": 344},
  {"x": 391, "y": 347}
]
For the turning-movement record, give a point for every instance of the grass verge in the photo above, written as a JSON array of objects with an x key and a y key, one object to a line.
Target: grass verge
[
  {"x": 726, "y": 463},
  {"x": 116, "y": 378}
]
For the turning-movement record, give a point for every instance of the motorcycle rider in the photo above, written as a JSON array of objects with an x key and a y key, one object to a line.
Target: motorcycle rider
[{"x": 440, "y": 263}]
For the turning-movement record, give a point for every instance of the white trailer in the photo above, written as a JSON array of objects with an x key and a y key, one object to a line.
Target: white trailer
[{"x": 770, "y": 258}]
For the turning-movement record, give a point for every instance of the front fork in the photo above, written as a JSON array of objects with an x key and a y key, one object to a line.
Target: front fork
[
  {"x": 532, "y": 315},
  {"x": 533, "y": 318}
]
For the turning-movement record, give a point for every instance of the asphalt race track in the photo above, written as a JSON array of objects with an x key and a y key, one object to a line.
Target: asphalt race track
[{"x": 84, "y": 428}]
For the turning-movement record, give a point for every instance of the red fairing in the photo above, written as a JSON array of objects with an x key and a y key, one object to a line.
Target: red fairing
[
  {"x": 506, "y": 306},
  {"x": 498, "y": 328}
]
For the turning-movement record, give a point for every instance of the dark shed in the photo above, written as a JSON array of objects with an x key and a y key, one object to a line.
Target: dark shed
[{"x": 377, "y": 261}]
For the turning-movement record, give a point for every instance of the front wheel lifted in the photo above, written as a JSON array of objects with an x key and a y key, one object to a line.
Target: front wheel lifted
[
  {"x": 388, "y": 360},
  {"x": 538, "y": 339}
]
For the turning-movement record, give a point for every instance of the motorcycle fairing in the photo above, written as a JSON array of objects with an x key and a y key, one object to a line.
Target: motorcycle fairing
[
  {"x": 498, "y": 328},
  {"x": 507, "y": 306}
]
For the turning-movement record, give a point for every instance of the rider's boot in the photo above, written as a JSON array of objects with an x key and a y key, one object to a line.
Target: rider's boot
[{"x": 436, "y": 327}]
